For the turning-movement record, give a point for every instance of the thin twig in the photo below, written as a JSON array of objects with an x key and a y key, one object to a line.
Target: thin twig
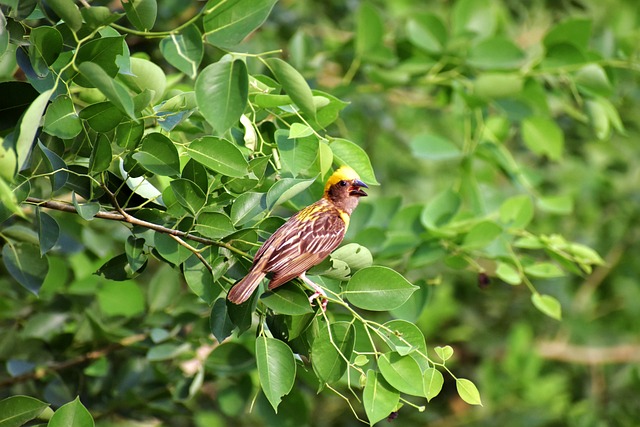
[
  {"x": 128, "y": 218},
  {"x": 193, "y": 250}
]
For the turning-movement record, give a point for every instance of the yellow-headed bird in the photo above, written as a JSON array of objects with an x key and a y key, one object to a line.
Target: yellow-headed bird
[{"x": 305, "y": 239}]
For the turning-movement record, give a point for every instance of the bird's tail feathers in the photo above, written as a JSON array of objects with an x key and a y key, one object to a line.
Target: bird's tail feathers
[{"x": 242, "y": 290}]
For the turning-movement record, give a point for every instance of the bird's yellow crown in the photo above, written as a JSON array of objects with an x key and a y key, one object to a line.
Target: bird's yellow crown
[{"x": 342, "y": 173}]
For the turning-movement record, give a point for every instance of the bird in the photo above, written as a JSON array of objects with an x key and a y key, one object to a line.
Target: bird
[{"x": 306, "y": 239}]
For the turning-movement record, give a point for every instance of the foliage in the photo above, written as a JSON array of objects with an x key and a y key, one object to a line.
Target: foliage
[{"x": 144, "y": 157}]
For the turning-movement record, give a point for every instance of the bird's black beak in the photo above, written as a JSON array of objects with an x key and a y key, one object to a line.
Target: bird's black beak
[{"x": 356, "y": 188}]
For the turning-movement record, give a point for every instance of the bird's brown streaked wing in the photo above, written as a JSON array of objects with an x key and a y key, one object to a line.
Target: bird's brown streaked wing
[{"x": 315, "y": 240}]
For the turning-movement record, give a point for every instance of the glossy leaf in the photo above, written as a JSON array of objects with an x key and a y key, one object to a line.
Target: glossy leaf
[
  {"x": 331, "y": 350},
  {"x": 227, "y": 23},
  {"x": 48, "y": 231},
  {"x": 404, "y": 337},
  {"x": 87, "y": 211},
  {"x": 289, "y": 300},
  {"x": 18, "y": 410},
  {"x": 402, "y": 372},
  {"x": 113, "y": 90},
  {"x": 348, "y": 153},
  {"x": 276, "y": 369},
  {"x": 184, "y": 51},
  {"x": 68, "y": 11},
  {"x": 378, "y": 289},
  {"x": 28, "y": 127},
  {"x": 61, "y": 119},
  {"x": 378, "y": 397},
  {"x": 222, "y": 91},
  {"x": 25, "y": 264},
  {"x": 189, "y": 195},
  {"x": 285, "y": 189},
  {"x": 214, "y": 225},
  {"x": 468, "y": 391},
  {"x": 219, "y": 322},
  {"x": 219, "y": 155},
  {"x": 159, "y": 155},
  {"x": 294, "y": 84},
  {"x": 101, "y": 153},
  {"x": 296, "y": 155},
  {"x": 141, "y": 13},
  {"x": 432, "y": 381}
]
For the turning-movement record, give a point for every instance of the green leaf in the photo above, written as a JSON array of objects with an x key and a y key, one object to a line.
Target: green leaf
[
  {"x": 214, "y": 225},
  {"x": 544, "y": 270},
  {"x": 72, "y": 414},
  {"x": 222, "y": 91},
  {"x": 114, "y": 91},
  {"x": 369, "y": 29},
  {"x": 481, "y": 235},
  {"x": 468, "y": 391},
  {"x": 276, "y": 369},
  {"x": 54, "y": 165},
  {"x": 444, "y": 353},
  {"x": 378, "y": 397},
  {"x": 475, "y": 17},
  {"x": 48, "y": 231},
  {"x": 16, "y": 411},
  {"x": 427, "y": 32},
  {"x": 561, "y": 205},
  {"x": 219, "y": 155},
  {"x": 331, "y": 350},
  {"x": 141, "y": 13},
  {"x": 68, "y": 11},
  {"x": 247, "y": 207},
  {"x": 61, "y": 119},
  {"x": 104, "y": 52},
  {"x": 169, "y": 249},
  {"x": 294, "y": 84},
  {"x": 404, "y": 337},
  {"x": 296, "y": 155},
  {"x": 189, "y": 195},
  {"x": 348, "y": 153},
  {"x": 575, "y": 31},
  {"x": 432, "y": 381},
  {"x": 496, "y": 53},
  {"x": 116, "y": 269},
  {"x": 354, "y": 255},
  {"x": 25, "y": 265},
  {"x": 45, "y": 46},
  {"x": 496, "y": 85},
  {"x": 166, "y": 351},
  {"x": 158, "y": 155},
  {"x": 102, "y": 117},
  {"x": 226, "y": 24},
  {"x": 185, "y": 50},
  {"x": 543, "y": 136},
  {"x": 548, "y": 305},
  {"x": 298, "y": 130},
  {"x": 99, "y": 16},
  {"x": 147, "y": 80},
  {"x": 87, "y": 211},
  {"x": 219, "y": 322},
  {"x": 290, "y": 300},
  {"x": 440, "y": 210},
  {"x": 28, "y": 127},
  {"x": 402, "y": 373},
  {"x": 508, "y": 273},
  {"x": 378, "y": 289},
  {"x": 433, "y": 147},
  {"x": 134, "y": 249},
  {"x": 100, "y": 159},
  {"x": 517, "y": 211},
  {"x": 285, "y": 189}
]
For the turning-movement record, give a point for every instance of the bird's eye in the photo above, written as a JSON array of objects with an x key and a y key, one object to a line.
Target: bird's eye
[{"x": 342, "y": 183}]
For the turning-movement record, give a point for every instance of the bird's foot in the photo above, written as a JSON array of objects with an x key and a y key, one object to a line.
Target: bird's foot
[{"x": 319, "y": 293}]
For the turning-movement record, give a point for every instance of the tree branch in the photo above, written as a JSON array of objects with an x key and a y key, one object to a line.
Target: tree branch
[
  {"x": 565, "y": 352},
  {"x": 115, "y": 216}
]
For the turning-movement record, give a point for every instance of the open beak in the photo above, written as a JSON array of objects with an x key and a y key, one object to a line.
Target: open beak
[{"x": 356, "y": 188}]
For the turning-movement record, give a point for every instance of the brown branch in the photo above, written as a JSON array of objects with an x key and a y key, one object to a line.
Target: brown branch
[
  {"x": 125, "y": 217},
  {"x": 564, "y": 352},
  {"x": 40, "y": 373}
]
